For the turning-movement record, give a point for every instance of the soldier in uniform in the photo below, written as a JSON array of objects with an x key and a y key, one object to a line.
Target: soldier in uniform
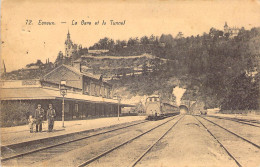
[
  {"x": 38, "y": 116},
  {"x": 50, "y": 117}
]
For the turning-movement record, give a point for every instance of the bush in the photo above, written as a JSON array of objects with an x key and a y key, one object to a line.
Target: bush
[{"x": 13, "y": 114}]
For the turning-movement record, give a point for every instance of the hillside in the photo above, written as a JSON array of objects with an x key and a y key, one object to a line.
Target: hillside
[
  {"x": 214, "y": 68},
  {"x": 31, "y": 71}
]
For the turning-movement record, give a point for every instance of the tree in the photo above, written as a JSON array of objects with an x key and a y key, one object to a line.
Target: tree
[
  {"x": 144, "y": 40},
  {"x": 215, "y": 34},
  {"x": 110, "y": 44},
  {"x": 243, "y": 94},
  {"x": 59, "y": 59},
  {"x": 83, "y": 51},
  {"x": 38, "y": 63},
  {"x": 152, "y": 38},
  {"x": 168, "y": 39},
  {"x": 132, "y": 41},
  {"x": 103, "y": 43}
]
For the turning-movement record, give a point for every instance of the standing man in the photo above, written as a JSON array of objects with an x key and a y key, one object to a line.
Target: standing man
[
  {"x": 50, "y": 116},
  {"x": 38, "y": 116}
]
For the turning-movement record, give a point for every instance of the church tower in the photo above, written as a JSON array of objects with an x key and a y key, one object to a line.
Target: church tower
[
  {"x": 68, "y": 35},
  {"x": 68, "y": 46}
]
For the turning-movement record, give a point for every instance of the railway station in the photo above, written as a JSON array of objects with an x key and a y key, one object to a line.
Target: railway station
[
  {"x": 93, "y": 123},
  {"x": 86, "y": 95},
  {"x": 130, "y": 83}
]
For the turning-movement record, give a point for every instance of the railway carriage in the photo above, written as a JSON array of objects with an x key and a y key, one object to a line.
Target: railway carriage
[{"x": 156, "y": 109}]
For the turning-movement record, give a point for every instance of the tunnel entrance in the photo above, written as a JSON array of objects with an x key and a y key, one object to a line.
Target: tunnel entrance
[{"x": 183, "y": 109}]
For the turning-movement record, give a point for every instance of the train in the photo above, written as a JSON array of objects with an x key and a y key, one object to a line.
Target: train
[{"x": 156, "y": 109}]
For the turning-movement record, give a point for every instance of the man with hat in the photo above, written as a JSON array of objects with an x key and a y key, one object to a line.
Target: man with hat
[
  {"x": 38, "y": 116},
  {"x": 50, "y": 117}
]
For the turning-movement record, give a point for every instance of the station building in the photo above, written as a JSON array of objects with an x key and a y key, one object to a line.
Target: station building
[{"x": 86, "y": 95}]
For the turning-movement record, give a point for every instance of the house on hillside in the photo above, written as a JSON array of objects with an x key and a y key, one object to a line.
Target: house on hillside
[{"x": 232, "y": 31}]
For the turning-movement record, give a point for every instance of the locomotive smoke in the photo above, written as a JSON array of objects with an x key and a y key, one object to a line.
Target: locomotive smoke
[{"x": 178, "y": 93}]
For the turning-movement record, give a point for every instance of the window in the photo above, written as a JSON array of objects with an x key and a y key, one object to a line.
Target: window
[
  {"x": 92, "y": 89},
  {"x": 108, "y": 93},
  {"x": 102, "y": 91},
  {"x": 98, "y": 90},
  {"x": 95, "y": 90},
  {"x": 76, "y": 108},
  {"x": 105, "y": 92},
  {"x": 86, "y": 87}
]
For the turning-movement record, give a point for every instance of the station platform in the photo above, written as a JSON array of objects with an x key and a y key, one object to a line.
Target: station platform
[{"x": 21, "y": 134}]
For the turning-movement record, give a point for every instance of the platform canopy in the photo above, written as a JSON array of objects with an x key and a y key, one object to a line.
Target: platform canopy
[{"x": 39, "y": 93}]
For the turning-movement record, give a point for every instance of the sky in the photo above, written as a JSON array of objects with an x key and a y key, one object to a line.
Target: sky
[{"x": 22, "y": 43}]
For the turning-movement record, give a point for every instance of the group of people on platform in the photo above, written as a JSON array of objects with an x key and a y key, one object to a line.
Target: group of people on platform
[{"x": 37, "y": 117}]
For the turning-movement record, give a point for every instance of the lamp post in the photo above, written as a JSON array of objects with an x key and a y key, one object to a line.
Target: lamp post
[
  {"x": 118, "y": 107},
  {"x": 63, "y": 92}
]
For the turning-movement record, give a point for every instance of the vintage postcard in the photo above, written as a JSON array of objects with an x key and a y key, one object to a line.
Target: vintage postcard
[{"x": 160, "y": 83}]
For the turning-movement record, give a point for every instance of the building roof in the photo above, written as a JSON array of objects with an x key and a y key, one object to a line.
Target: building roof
[
  {"x": 81, "y": 73},
  {"x": 39, "y": 93},
  {"x": 76, "y": 71},
  {"x": 78, "y": 60}
]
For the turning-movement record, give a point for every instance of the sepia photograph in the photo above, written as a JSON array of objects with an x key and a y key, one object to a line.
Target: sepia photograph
[{"x": 124, "y": 83}]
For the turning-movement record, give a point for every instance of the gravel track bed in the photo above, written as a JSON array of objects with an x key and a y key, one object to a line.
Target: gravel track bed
[
  {"x": 88, "y": 148},
  {"x": 187, "y": 145},
  {"x": 245, "y": 153},
  {"x": 128, "y": 153},
  {"x": 249, "y": 132},
  {"x": 241, "y": 120},
  {"x": 6, "y": 152},
  {"x": 55, "y": 151}
]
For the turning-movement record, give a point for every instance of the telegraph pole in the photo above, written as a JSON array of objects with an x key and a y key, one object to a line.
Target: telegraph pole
[{"x": 63, "y": 92}]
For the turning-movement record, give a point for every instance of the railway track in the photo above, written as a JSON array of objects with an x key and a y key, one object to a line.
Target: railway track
[
  {"x": 248, "y": 141},
  {"x": 147, "y": 150},
  {"x": 45, "y": 153},
  {"x": 96, "y": 158},
  {"x": 81, "y": 137},
  {"x": 236, "y": 153},
  {"x": 231, "y": 156},
  {"x": 242, "y": 121}
]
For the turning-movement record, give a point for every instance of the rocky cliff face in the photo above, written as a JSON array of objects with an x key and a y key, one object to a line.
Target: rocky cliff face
[{"x": 111, "y": 66}]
